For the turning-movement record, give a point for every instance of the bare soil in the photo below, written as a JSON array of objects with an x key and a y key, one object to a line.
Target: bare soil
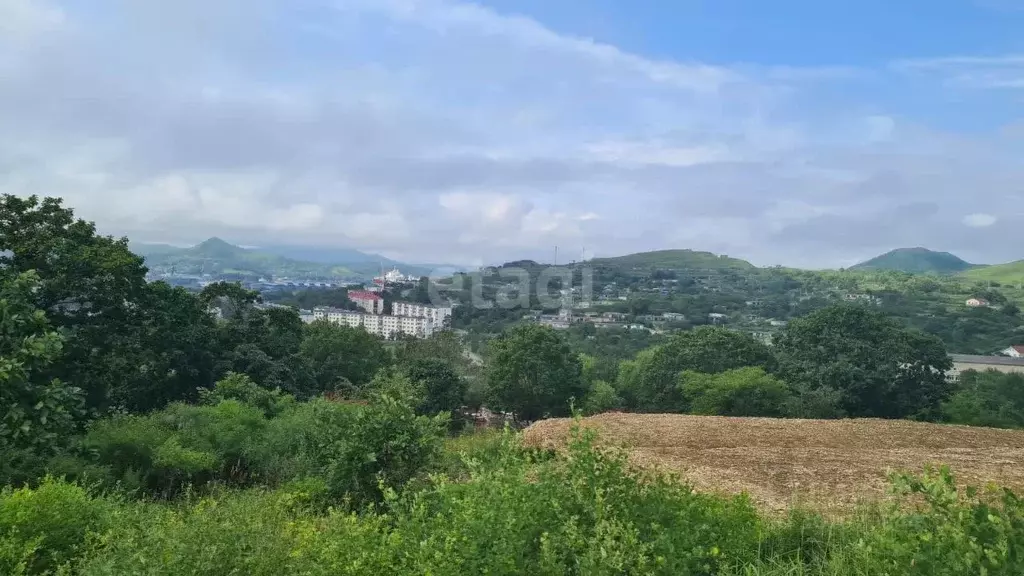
[{"x": 830, "y": 465}]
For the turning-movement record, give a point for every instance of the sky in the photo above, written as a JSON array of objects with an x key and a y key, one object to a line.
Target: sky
[{"x": 795, "y": 132}]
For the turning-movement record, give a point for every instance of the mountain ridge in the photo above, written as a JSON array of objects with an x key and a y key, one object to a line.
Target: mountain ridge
[
  {"x": 674, "y": 259},
  {"x": 218, "y": 256},
  {"x": 917, "y": 260}
]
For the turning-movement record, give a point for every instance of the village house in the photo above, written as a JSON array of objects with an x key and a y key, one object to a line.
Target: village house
[
  {"x": 1016, "y": 351},
  {"x": 964, "y": 362},
  {"x": 976, "y": 302}
]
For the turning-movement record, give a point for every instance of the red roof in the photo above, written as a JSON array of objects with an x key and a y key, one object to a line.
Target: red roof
[
  {"x": 1019, "y": 348},
  {"x": 363, "y": 295}
]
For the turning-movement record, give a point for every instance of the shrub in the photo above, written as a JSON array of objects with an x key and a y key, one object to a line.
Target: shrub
[
  {"x": 252, "y": 532},
  {"x": 953, "y": 533},
  {"x": 353, "y": 447},
  {"x": 586, "y": 514},
  {"x": 739, "y": 392},
  {"x": 240, "y": 387},
  {"x": 602, "y": 397},
  {"x": 42, "y": 528}
]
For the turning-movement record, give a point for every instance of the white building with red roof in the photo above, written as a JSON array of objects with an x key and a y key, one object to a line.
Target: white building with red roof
[
  {"x": 1016, "y": 351},
  {"x": 372, "y": 302}
]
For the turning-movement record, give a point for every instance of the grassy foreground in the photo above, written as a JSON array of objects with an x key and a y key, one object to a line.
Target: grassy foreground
[{"x": 498, "y": 508}]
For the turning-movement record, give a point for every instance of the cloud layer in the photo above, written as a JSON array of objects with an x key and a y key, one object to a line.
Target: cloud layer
[{"x": 438, "y": 130}]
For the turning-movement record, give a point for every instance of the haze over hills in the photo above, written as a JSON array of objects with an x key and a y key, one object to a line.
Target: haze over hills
[
  {"x": 917, "y": 261},
  {"x": 216, "y": 256}
]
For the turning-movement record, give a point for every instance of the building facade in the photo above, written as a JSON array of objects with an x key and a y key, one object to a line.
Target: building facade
[
  {"x": 439, "y": 315},
  {"x": 964, "y": 362},
  {"x": 1014, "y": 351},
  {"x": 371, "y": 302},
  {"x": 384, "y": 325}
]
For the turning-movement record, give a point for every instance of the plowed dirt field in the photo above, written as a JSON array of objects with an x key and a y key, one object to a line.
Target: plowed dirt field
[{"x": 830, "y": 465}]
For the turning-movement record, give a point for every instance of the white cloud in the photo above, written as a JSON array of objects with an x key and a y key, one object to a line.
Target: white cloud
[
  {"x": 441, "y": 130},
  {"x": 979, "y": 72},
  {"x": 979, "y": 220}
]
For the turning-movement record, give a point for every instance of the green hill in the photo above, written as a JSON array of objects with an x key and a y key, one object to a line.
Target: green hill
[
  {"x": 215, "y": 256},
  {"x": 674, "y": 260},
  {"x": 916, "y": 261},
  {"x": 1010, "y": 273}
]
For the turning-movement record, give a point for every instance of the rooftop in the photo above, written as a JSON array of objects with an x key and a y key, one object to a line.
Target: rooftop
[
  {"x": 363, "y": 295},
  {"x": 993, "y": 360}
]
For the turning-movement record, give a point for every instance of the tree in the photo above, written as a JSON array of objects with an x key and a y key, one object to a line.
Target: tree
[
  {"x": 37, "y": 413},
  {"x": 340, "y": 354},
  {"x": 649, "y": 384},
  {"x": 876, "y": 367},
  {"x": 177, "y": 350},
  {"x": 230, "y": 297},
  {"x": 89, "y": 288},
  {"x": 987, "y": 398},
  {"x": 601, "y": 397},
  {"x": 533, "y": 373},
  {"x": 740, "y": 392},
  {"x": 443, "y": 388}
]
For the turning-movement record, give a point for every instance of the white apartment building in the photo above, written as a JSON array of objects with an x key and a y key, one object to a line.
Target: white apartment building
[
  {"x": 437, "y": 314},
  {"x": 371, "y": 302},
  {"x": 383, "y": 325}
]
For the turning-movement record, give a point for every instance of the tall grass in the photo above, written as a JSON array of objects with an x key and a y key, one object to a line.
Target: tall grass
[{"x": 506, "y": 510}]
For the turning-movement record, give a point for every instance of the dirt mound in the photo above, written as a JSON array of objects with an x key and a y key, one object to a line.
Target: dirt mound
[{"x": 831, "y": 465}]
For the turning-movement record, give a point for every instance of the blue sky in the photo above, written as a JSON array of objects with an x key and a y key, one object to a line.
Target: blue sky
[
  {"x": 867, "y": 33},
  {"x": 793, "y": 132}
]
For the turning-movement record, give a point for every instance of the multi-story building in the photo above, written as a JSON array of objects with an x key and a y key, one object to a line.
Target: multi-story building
[
  {"x": 371, "y": 302},
  {"x": 383, "y": 325},
  {"x": 437, "y": 314}
]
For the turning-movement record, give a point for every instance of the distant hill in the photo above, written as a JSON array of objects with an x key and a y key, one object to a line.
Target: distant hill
[
  {"x": 916, "y": 261},
  {"x": 1011, "y": 273},
  {"x": 327, "y": 255},
  {"x": 362, "y": 263},
  {"x": 674, "y": 260},
  {"x": 215, "y": 256}
]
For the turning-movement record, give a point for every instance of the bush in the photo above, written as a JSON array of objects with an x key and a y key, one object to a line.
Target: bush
[
  {"x": 252, "y": 532},
  {"x": 602, "y": 397},
  {"x": 240, "y": 387},
  {"x": 42, "y": 528},
  {"x": 739, "y": 392},
  {"x": 585, "y": 514},
  {"x": 512, "y": 511},
  {"x": 987, "y": 398}
]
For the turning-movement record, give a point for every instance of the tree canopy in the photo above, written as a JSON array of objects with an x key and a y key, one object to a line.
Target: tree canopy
[
  {"x": 874, "y": 366},
  {"x": 649, "y": 382},
  {"x": 533, "y": 372}
]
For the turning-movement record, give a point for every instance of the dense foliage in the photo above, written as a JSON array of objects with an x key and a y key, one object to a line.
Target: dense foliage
[
  {"x": 533, "y": 373},
  {"x": 513, "y": 511},
  {"x": 873, "y": 366}
]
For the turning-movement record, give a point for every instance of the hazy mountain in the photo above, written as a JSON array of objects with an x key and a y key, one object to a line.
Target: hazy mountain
[
  {"x": 327, "y": 255},
  {"x": 917, "y": 261},
  {"x": 215, "y": 256}
]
